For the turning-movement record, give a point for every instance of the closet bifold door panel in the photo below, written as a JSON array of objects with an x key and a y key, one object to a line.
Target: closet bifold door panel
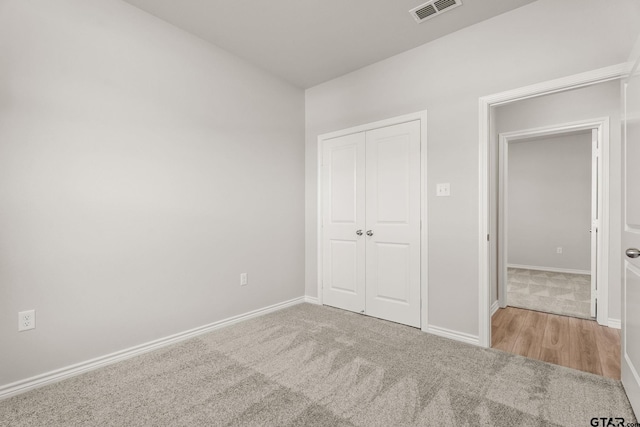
[
  {"x": 393, "y": 223},
  {"x": 371, "y": 222},
  {"x": 343, "y": 215}
]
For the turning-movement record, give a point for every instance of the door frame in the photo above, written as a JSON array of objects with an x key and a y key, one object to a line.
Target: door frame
[
  {"x": 601, "y": 125},
  {"x": 588, "y": 78},
  {"x": 422, "y": 116}
]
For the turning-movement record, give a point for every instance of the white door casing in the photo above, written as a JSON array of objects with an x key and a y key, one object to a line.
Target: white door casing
[
  {"x": 393, "y": 223},
  {"x": 631, "y": 240},
  {"x": 343, "y": 215},
  {"x": 595, "y": 228}
]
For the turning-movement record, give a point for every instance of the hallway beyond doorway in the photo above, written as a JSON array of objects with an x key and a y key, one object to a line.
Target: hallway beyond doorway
[{"x": 566, "y": 294}]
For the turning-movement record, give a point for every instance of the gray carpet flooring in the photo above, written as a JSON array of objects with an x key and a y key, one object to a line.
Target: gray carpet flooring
[
  {"x": 309, "y": 365},
  {"x": 559, "y": 293}
]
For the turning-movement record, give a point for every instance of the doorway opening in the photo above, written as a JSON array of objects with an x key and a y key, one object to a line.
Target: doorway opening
[
  {"x": 552, "y": 262},
  {"x": 549, "y": 337},
  {"x": 599, "y": 78},
  {"x": 550, "y": 243}
]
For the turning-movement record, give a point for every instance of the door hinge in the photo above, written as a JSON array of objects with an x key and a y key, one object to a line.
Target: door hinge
[{"x": 487, "y": 237}]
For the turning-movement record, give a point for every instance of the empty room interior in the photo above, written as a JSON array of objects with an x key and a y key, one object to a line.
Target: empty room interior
[{"x": 319, "y": 213}]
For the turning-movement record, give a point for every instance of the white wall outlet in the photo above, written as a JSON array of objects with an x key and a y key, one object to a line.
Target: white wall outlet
[
  {"x": 559, "y": 250},
  {"x": 26, "y": 320},
  {"x": 443, "y": 189},
  {"x": 243, "y": 279}
]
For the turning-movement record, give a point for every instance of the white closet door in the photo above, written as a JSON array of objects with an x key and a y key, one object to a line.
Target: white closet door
[
  {"x": 343, "y": 204},
  {"x": 393, "y": 223}
]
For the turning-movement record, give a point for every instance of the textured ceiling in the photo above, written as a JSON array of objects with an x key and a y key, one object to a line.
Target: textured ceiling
[{"x": 307, "y": 42}]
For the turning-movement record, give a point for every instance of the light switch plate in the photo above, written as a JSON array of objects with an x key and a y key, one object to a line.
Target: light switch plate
[{"x": 443, "y": 189}]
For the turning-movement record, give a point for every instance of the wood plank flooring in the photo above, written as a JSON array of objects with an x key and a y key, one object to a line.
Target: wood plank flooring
[{"x": 567, "y": 341}]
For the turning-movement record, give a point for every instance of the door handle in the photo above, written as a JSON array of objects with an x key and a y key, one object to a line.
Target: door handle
[
  {"x": 633, "y": 252},
  {"x": 359, "y": 232},
  {"x": 369, "y": 233}
]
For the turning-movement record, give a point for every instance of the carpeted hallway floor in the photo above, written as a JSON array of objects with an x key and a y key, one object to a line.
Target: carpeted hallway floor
[
  {"x": 559, "y": 293},
  {"x": 309, "y": 365}
]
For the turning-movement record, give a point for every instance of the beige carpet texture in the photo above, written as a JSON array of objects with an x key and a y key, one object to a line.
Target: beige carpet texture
[
  {"x": 558, "y": 293},
  {"x": 309, "y": 365}
]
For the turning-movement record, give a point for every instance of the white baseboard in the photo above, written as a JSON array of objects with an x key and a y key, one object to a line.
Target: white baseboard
[
  {"x": 494, "y": 307},
  {"x": 552, "y": 269},
  {"x": 454, "y": 335},
  {"x": 22, "y": 386},
  {"x": 614, "y": 323},
  {"x": 311, "y": 300}
]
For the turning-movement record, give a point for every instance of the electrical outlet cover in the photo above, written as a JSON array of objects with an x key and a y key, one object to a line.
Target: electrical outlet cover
[{"x": 26, "y": 320}]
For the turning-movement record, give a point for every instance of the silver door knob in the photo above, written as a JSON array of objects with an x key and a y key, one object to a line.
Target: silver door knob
[
  {"x": 369, "y": 233},
  {"x": 633, "y": 252},
  {"x": 359, "y": 232}
]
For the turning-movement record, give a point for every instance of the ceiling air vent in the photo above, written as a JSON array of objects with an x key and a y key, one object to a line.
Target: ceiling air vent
[{"x": 433, "y": 8}]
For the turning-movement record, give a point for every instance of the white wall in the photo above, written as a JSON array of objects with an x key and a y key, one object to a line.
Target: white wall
[
  {"x": 446, "y": 77},
  {"x": 141, "y": 171},
  {"x": 635, "y": 52},
  {"x": 591, "y": 102},
  {"x": 549, "y": 202}
]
